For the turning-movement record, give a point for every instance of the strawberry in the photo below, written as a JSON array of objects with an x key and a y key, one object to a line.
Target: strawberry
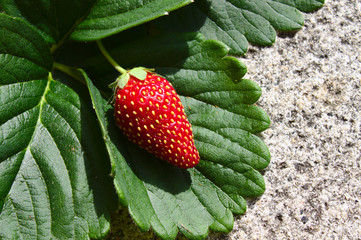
[{"x": 149, "y": 112}]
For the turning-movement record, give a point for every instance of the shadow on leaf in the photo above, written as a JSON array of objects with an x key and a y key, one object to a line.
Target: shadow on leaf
[{"x": 152, "y": 171}]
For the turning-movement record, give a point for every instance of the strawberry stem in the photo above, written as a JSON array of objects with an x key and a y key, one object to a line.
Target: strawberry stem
[
  {"x": 109, "y": 58},
  {"x": 69, "y": 71},
  {"x": 74, "y": 73}
]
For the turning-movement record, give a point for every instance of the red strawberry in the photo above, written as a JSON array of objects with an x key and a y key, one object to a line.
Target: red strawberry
[{"x": 150, "y": 114}]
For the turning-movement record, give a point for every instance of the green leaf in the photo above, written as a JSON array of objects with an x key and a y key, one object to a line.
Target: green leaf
[
  {"x": 109, "y": 17},
  {"x": 169, "y": 199},
  {"x": 54, "y": 19},
  {"x": 52, "y": 182},
  {"x": 237, "y": 22},
  {"x": 304, "y": 5}
]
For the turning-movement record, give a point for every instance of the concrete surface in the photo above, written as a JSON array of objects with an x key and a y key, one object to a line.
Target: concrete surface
[{"x": 311, "y": 91}]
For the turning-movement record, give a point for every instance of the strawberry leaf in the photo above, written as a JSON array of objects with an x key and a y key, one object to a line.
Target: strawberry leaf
[
  {"x": 168, "y": 199},
  {"x": 52, "y": 185},
  {"x": 109, "y": 17},
  {"x": 238, "y": 22}
]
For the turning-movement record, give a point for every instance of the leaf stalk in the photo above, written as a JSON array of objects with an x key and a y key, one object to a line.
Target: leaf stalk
[
  {"x": 109, "y": 58},
  {"x": 69, "y": 71},
  {"x": 76, "y": 74}
]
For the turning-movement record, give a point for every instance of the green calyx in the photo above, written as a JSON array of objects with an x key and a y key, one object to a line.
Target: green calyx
[
  {"x": 139, "y": 73},
  {"x": 122, "y": 80}
]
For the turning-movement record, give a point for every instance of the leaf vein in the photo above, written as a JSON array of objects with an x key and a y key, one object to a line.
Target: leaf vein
[
  {"x": 214, "y": 216},
  {"x": 221, "y": 28},
  {"x": 280, "y": 14},
  {"x": 231, "y": 152},
  {"x": 32, "y": 203},
  {"x": 68, "y": 174},
  {"x": 46, "y": 187},
  {"x": 234, "y": 171},
  {"x": 17, "y": 217}
]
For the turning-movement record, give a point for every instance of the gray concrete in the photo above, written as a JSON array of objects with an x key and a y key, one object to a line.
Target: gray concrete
[{"x": 311, "y": 91}]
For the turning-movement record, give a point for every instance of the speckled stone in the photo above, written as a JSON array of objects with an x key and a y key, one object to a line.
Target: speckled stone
[{"x": 311, "y": 90}]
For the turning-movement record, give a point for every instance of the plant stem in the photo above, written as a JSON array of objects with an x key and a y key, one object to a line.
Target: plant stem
[
  {"x": 69, "y": 71},
  {"x": 55, "y": 47},
  {"x": 74, "y": 73},
  {"x": 109, "y": 58}
]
